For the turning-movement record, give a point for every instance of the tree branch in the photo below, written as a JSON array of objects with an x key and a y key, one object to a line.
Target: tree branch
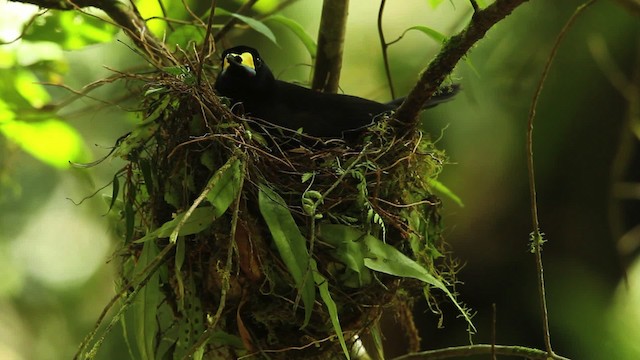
[
  {"x": 124, "y": 16},
  {"x": 326, "y": 73},
  {"x": 452, "y": 51}
]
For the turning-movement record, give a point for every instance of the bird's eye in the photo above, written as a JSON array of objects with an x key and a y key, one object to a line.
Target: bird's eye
[{"x": 258, "y": 62}]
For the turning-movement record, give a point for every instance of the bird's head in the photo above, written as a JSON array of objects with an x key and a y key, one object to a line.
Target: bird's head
[{"x": 243, "y": 73}]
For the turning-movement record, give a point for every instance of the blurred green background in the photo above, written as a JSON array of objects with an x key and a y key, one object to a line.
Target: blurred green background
[{"x": 55, "y": 267}]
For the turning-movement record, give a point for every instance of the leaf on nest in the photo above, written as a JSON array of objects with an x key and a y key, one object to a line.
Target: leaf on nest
[
  {"x": 290, "y": 243},
  {"x": 200, "y": 219},
  {"x": 387, "y": 259},
  {"x": 145, "y": 305},
  {"x": 379, "y": 256},
  {"x": 325, "y": 295},
  {"x": 224, "y": 185},
  {"x": 347, "y": 241}
]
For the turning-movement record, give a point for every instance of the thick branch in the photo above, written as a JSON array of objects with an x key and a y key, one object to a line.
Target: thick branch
[
  {"x": 126, "y": 17},
  {"x": 333, "y": 23},
  {"x": 452, "y": 51}
]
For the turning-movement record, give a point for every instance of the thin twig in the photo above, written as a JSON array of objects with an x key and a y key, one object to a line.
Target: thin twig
[
  {"x": 536, "y": 234},
  {"x": 205, "y": 44},
  {"x": 480, "y": 349},
  {"x": 384, "y": 46},
  {"x": 493, "y": 331}
]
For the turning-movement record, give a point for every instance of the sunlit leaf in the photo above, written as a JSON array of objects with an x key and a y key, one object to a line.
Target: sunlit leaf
[
  {"x": 149, "y": 9},
  {"x": 29, "y": 53},
  {"x": 263, "y": 6},
  {"x": 297, "y": 29},
  {"x": 51, "y": 141},
  {"x": 435, "y": 3},
  {"x": 71, "y": 30},
  {"x": 26, "y": 84},
  {"x": 325, "y": 295},
  {"x": 291, "y": 245}
]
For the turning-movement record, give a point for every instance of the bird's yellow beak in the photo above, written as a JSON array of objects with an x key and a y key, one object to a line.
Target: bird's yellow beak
[{"x": 245, "y": 60}]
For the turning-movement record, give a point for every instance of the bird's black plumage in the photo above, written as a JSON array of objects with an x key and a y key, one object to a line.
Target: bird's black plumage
[{"x": 246, "y": 78}]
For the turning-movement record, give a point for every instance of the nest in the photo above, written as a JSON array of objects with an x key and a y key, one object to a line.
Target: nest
[{"x": 209, "y": 199}]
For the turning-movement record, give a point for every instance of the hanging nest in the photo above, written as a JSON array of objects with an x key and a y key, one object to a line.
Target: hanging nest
[{"x": 242, "y": 238}]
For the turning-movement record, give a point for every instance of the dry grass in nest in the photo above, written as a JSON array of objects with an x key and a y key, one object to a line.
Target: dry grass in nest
[{"x": 225, "y": 271}]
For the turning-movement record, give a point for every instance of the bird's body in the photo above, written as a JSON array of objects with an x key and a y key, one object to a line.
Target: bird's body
[{"x": 246, "y": 78}]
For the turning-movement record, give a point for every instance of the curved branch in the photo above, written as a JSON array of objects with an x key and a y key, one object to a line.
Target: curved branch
[{"x": 452, "y": 51}]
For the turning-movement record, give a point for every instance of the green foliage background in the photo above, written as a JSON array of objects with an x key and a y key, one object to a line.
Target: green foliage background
[{"x": 52, "y": 252}]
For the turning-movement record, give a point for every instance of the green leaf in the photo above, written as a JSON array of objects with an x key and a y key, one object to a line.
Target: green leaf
[
  {"x": 185, "y": 35},
  {"x": 224, "y": 185},
  {"x": 381, "y": 257},
  {"x": 434, "y": 34},
  {"x": 152, "y": 9},
  {"x": 325, "y": 295},
  {"x": 114, "y": 192},
  {"x": 26, "y": 84},
  {"x": 291, "y": 245},
  {"x": 51, "y": 141},
  {"x": 71, "y": 30},
  {"x": 191, "y": 324},
  {"x": 444, "y": 190},
  {"x": 145, "y": 305},
  {"x": 143, "y": 132},
  {"x": 297, "y": 29},
  {"x": 387, "y": 259},
  {"x": 307, "y": 176},
  {"x": 200, "y": 219},
  {"x": 256, "y": 25},
  {"x": 349, "y": 250}
]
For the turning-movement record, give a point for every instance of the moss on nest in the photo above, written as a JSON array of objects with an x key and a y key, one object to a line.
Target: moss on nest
[{"x": 208, "y": 202}]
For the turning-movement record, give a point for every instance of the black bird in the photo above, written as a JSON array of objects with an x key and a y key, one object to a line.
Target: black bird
[{"x": 246, "y": 78}]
